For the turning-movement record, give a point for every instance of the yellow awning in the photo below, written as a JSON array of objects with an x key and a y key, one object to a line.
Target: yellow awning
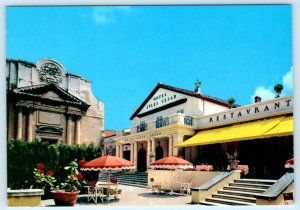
[
  {"x": 284, "y": 128},
  {"x": 280, "y": 126}
]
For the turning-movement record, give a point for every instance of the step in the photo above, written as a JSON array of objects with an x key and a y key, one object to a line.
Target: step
[
  {"x": 265, "y": 181},
  {"x": 234, "y": 197},
  {"x": 228, "y": 202},
  {"x": 244, "y": 189},
  {"x": 239, "y": 193},
  {"x": 261, "y": 186},
  {"x": 207, "y": 203}
]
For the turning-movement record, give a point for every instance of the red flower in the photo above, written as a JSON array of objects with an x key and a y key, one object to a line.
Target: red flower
[
  {"x": 49, "y": 173},
  {"x": 41, "y": 171},
  {"x": 81, "y": 163},
  {"x": 40, "y": 166},
  {"x": 79, "y": 176}
]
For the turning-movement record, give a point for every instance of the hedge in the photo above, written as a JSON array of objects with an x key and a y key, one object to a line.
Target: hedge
[{"x": 23, "y": 157}]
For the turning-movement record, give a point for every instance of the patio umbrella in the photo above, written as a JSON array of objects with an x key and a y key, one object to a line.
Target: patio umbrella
[
  {"x": 108, "y": 164},
  {"x": 171, "y": 163}
]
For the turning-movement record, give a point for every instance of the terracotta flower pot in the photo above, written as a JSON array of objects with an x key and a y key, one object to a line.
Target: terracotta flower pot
[{"x": 63, "y": 198}]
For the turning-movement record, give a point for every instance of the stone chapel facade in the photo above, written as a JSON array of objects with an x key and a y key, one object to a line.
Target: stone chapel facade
[{"x": 47, "y": 103}]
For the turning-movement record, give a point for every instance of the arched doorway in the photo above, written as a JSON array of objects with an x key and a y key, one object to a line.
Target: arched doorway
[
  {"x": 142, "y": 161},
  {"x": 159, "y": 152}
]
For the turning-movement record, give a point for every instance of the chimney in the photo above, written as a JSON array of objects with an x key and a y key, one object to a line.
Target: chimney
[
  {"x": 197, "y": 84},
  {"x": 257, "y": 99}
]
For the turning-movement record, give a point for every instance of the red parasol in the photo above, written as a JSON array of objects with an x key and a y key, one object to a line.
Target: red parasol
[
  {"x": 171, "y": 163},
  {"x": 107, "y": 163}
]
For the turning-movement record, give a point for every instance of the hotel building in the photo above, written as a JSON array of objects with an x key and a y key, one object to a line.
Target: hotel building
[{"x": 203, "y": 129}]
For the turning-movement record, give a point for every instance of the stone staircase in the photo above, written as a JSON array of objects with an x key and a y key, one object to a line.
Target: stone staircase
[
  {"x": 138, "y": 179},
  {"x": 239, "y": 192}
]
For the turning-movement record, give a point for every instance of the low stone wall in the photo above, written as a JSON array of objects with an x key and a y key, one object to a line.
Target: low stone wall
[
  {"x": 169, "y": 178},
  {"x": 199, "y": 195},
  {"x": 24, "y": 197}
]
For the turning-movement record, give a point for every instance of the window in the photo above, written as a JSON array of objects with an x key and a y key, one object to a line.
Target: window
[
  {"x": 161, "y": 122},
  {"x": 142, "y": 127},
  {"x": 180, "y": 111}
]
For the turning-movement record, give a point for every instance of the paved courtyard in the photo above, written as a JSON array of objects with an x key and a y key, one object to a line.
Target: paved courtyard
[{"x": 133, "y": 196}]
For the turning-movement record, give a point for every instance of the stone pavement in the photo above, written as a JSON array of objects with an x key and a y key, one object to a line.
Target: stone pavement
[{"x": 133, "y": 196}]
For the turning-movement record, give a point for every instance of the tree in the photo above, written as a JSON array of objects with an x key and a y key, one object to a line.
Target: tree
[{"x": 278, "y": 88}]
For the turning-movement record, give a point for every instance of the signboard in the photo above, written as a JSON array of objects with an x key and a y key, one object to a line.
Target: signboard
[
  {"x": 160, "y": 98},
  {"x": 263, "y": 108}
]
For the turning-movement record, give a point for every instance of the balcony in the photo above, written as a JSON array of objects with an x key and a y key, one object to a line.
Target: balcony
[{"x": 160, "y": 122}]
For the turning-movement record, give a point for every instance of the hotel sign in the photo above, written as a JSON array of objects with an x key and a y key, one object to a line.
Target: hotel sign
[
  {"x": 280, "y": 104},
  {"x": 161, "y": 98},
  {"x": 144, "y": 136}
]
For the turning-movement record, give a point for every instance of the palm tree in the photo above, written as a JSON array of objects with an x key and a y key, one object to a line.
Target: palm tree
[{"x": 278, "y": 88}]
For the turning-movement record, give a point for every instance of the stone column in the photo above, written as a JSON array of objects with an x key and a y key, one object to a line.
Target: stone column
[
  {"x": 131, "y": 152},
  {"x": 20, "y": 123},
  {"x": 29, "y": 125},
  {"x": 153, "y": 146},
  {"x": 77, "y": 129},
  {"x": 177, "y": 138},
  {"x": 117, "y": 150},
  {"x": 121, "y": 150},
  {"x": 135, "y": 154},
  {"x": 69, "y": 132},
  {"x": 170, "y": 145},
  {"x": 148, "y": 153}
]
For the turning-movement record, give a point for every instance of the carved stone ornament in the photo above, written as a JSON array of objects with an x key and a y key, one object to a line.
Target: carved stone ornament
[{"x": 50, "y": 73}]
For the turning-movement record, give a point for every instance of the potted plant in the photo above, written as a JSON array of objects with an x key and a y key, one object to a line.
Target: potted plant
[
  {"x": 232, "y": 159},
  {"x": 278, "y": 88},
  {"x": 231, "y": 102},
  {"x": 66, "y": 193}
]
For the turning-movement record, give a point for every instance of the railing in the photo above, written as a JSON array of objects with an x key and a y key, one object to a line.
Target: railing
[
  {"x": 141, "y": 128},
  {"x": 278, "y": 187},
  {"x": 162, "y": 122},
  {"x": 188, "y": 120},
  {"x": 177, "y": 118}
]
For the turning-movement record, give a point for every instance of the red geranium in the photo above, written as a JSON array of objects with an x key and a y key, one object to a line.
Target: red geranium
[
  {"x": 79, "y": 176},
  {"x": 41, "y": 171},
  {"x": 81, "y": 163},
  {"x": 40, "y": 166},
  {"x": 50, "y": 173}
]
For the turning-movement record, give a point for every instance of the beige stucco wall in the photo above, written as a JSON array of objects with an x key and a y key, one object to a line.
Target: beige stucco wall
[{"x": 169, "y": 178}]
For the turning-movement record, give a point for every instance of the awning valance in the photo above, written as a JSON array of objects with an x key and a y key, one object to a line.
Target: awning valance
[{"x": 281, "y": 126}]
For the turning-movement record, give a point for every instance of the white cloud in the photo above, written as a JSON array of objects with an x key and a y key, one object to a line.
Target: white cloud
[
  {"x": 287, "y": 80},
  {"x": 264, "y": 93},
  {"x": 268, "y": 92},
  {"x": 107, "y": 14}
]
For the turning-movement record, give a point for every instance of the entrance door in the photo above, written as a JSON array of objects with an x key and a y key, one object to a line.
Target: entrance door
[
  {"x": 126, "y": 155},
  {"x": 142, "y": 160},
  {"x": 159, "y": 152}
]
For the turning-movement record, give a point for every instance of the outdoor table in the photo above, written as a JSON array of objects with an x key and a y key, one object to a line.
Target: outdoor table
[
  {"x": 204, "y": 167},
  {"x": 107, "y": 186},
  {"x": 243, "y": 168}
]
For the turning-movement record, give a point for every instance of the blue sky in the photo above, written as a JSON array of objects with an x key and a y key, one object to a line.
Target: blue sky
[{"x": 235, "y": 51}]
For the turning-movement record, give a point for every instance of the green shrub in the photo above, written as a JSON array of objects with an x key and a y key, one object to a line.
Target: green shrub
[{"x": 23, "y": 157}]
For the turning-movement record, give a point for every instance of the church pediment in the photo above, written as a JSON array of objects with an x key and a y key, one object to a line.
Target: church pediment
[{"x": 51, "y": 93}]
